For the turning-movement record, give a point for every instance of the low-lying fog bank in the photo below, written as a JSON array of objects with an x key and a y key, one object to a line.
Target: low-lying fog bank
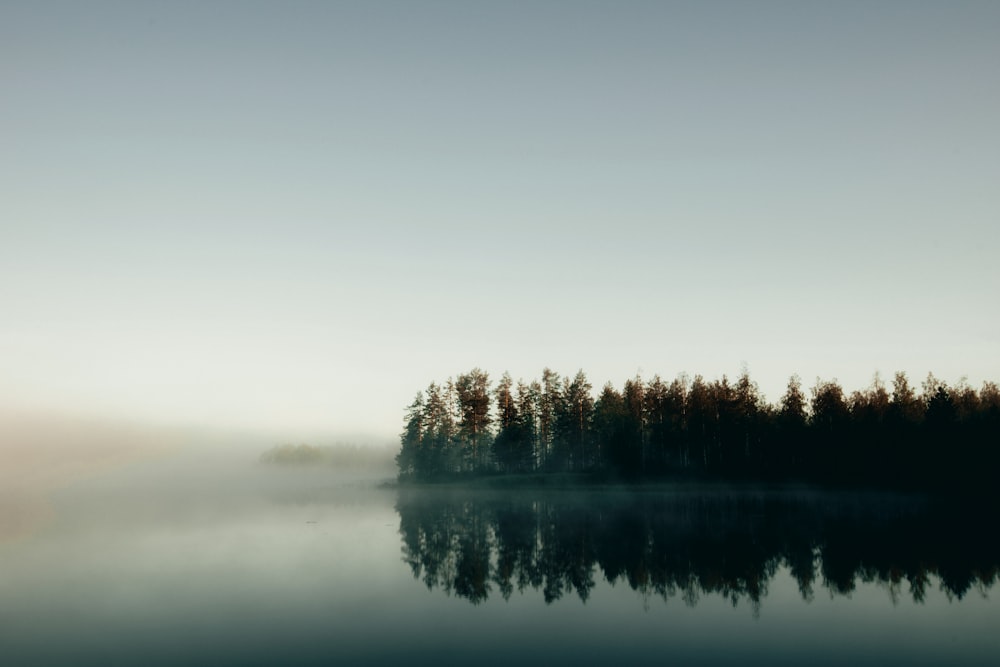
[{"x": 127, "y": 468}]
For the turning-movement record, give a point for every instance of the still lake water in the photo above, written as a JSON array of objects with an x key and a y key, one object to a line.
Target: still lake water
[{"x": 166, "y": 563}]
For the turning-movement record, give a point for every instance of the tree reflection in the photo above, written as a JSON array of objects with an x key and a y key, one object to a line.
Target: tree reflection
[{"x": 688, "y": 545}]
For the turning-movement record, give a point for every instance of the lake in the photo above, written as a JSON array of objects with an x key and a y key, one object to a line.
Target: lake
[{"x": 171, "y": 562}]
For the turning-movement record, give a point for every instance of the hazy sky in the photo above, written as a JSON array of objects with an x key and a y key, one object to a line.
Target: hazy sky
[{"x": 294, "y": 215}]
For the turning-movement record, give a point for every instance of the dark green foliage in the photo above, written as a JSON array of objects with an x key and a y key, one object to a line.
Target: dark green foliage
[
  {"x": 944, "y": 438},
  {"x": 828, "y": 428},
  {"x": 610, "y": 428},
  {"x": 633, "y": 456},
  {"x": 473, "y": 392},
  {"x": 657, "y": 423},
  {"x": 513, "y": 447},
  {"x": 409, "y": 457},
  {"x": 575, "y": 424},
  {"x": 549, "y": 404},
  {"x": 506, "y": 409}
]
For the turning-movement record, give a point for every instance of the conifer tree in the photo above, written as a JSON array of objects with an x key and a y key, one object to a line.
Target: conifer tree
[
  {"x": 508, "y": 445},
  {"x": 577, "y": 420},
  {"x": 473, "y": 395},
  {"x": 408, "y": 458},
  {"x": 609, "y": 427},
  {"x": 791, "y": 426},
  {"x": 655, "y": 409},
  {"x": 549, "y": 403},
  {"x": 632, "y": 395}
]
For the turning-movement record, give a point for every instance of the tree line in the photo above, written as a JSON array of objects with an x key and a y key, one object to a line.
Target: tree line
[{"x": 896, "y": 435}]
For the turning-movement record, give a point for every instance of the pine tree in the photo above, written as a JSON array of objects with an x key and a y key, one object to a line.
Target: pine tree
[
  {"x": 473, "y": 395},
  {"x": 578, "y": 415},
  {"x": 549, "y": 404},
  {"x": 408, "y": 458},
  {"x": 508, "y": 444},
  {"x": 632, "y": 395},
  {"x": 791, "y": 427},
  {"x": 655, "y": 409},
  {"x": 749, "y": 406},
  {"x": 609, "y": 428}
]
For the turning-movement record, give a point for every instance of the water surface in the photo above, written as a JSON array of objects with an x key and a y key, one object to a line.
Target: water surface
[{"x": 166, "y": 563}]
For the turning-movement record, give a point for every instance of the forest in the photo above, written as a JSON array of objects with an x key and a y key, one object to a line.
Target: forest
[{"x": 898, "y": 436}]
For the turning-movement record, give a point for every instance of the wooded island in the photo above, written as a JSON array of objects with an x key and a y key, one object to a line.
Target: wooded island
[{"x": 896, "y": 437}]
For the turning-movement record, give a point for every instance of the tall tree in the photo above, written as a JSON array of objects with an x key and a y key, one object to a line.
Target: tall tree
[
  {"x": 505, "y": 445},
  {"x": 655, "y": 407},
  {"x": 966, "y": 401},
  {"x": 578, "y": 415},
  {"x": 632, "y": 395},
  {"x": 727, "y": 442},
  {"x": 906, "y": 412},
  {"x": 878, "y": 400},
  {"x": 439, "y": 455},
  {"x": 905, "y": 408},
  {"x": 676, "y": 414},
  {"x": 473, "y": 390},
  {"x": 513, "y": 447},
  {"x": 528, "y": 399},
  {"x": 941, "y": 412},
  {"x": 506, "y": 409},
  {"x": 828, "y": 423},
  {"x": 549, "y": 404},
  {"x": 701, "y": 415},
  {"x": 749, "y": 407},
  {"x": 792, "y": 410},
  {"x": 792, "y": 426},
  {"x": 870, "y": 443},
  {"x": 609, "y": 427},
  {"x": 829, "y": 407},
  {"x": 408, "y": 458}
]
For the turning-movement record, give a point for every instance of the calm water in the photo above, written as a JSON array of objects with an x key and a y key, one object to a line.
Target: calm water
[{"x": 169, "y": 564}]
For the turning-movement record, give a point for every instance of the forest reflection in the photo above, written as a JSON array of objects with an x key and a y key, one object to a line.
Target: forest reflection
[{"x": 689, "y": 545}]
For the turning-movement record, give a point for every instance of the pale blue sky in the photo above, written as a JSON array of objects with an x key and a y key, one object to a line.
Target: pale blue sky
[{"x": 293, "y": 215}]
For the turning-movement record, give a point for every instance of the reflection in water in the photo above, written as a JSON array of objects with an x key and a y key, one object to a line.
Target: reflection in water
[{"x": 689, "y": 545}]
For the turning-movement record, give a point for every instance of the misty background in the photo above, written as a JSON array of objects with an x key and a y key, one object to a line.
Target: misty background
[{"x": 284, "y": 219}]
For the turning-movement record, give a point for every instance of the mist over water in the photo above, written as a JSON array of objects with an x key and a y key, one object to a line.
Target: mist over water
[
  {"x": 191, "y": 556},
  {"x": 203, "y": 555}
]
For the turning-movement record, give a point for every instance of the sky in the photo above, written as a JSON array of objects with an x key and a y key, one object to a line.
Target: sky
[{"x": 291, "y": 216}]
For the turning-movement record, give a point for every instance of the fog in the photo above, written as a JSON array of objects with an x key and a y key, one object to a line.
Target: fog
[
  {"x": 129, "y": 468},
  {"x": 145, "y": 543},
  {"x": 141, "y": 544},
  {"x": 128, "y": 544}
]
